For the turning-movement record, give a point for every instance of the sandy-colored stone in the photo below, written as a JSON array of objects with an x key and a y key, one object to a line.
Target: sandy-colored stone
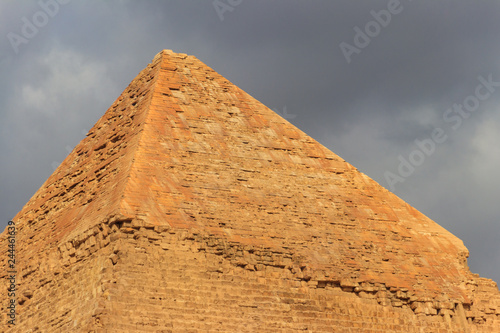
[{"x": 190, "y": 206}]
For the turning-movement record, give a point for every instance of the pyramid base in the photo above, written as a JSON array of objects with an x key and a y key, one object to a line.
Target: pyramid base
[{"x": 127, "y": 276}]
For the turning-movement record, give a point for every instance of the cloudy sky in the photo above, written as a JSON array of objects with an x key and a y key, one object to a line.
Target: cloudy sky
[{"x": 408, "y": 92}]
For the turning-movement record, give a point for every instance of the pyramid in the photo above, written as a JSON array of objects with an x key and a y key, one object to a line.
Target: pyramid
[{"x": 192, "y": 207}]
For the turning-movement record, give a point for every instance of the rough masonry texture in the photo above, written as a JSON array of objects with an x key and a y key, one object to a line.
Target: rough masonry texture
[{"x": 192, "y": 207}]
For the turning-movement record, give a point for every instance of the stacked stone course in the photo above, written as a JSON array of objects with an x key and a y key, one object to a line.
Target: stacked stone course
[{"x": 191, "y": 207}]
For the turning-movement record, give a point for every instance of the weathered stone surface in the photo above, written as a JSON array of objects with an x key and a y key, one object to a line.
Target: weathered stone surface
[{"x": 190, "y": 206}]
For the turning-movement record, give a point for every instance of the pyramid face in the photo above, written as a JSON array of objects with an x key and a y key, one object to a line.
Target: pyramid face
[{"x": 190, "y": 206}]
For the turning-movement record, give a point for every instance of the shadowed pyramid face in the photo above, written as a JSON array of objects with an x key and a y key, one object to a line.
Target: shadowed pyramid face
[{"x": 187, "y": 176}]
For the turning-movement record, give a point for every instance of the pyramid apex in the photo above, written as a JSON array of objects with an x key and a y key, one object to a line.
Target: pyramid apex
[{"x": 168, "y": 52}]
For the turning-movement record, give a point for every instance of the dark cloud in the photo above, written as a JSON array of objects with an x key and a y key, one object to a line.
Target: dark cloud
[{"x": 286, "y": 54}]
